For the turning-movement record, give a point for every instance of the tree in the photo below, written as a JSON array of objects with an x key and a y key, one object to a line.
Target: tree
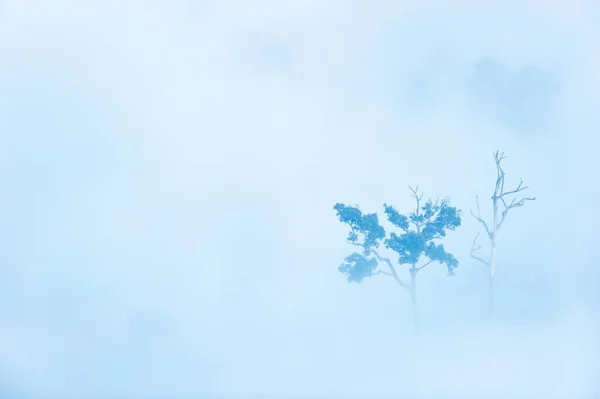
[
  {"x": 499, "y": 198},
  {"x": 415, "y": 245}
]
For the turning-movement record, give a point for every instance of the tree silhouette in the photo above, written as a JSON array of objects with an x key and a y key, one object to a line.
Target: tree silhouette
[
  {"x": 415, "y": 244},
  {"x": 499, "y": 198}
]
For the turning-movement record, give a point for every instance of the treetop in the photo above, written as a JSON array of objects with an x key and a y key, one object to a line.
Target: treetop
[{"x": 426, "y": 223}]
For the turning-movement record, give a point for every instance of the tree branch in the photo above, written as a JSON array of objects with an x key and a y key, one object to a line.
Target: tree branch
[
  {"x": 435, "y": 206},
  {"x": 386, "y": 260},
  {"x": 426, "y": 264},
  {"x": 499, "y": 192},
  {"x": 416, "y": 195},
  {"x": 393, "y": 270},
  {"x": 415, "y": 192},
  {"x": 516, "y": 190},
  {"x": 476, "y": 247},
  {"x": 499, "y": 173},
  {"x": 513, "y": 204},
  {"x": 478, "y": 217}
]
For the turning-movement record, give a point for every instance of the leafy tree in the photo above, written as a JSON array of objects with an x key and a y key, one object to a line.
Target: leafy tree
[
  {"x": 415, "y": 244},
  {"x": 499, "y": 198}
]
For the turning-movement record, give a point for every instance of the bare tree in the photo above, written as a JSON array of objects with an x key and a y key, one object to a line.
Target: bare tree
[{"x": 499, "y": 199}]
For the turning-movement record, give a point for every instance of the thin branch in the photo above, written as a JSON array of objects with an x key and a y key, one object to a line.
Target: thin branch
[
  {"x": 478, "y": 217},
  {"x": 416, "y": 195},
  {"x": 426, "y": 264},
  {"x": 384, "y": 273},
  {"x": 476, "y": 247},
  {"x": 415, "y": 192},
  {"x": 499, "y": 188},
  {"x": 499, "y": 182},
  {"x": 514, "y": 204},
  {"x": 499, "y": 157},
  {"x": 499, "y": 192},
  {"x": 516, "y": 190}
]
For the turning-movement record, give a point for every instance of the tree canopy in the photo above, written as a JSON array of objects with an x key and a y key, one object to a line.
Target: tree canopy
[{"x": 414, "y": 242}]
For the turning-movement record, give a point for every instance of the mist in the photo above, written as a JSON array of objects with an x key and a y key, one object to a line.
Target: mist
[{"x": 168, "y": 171}]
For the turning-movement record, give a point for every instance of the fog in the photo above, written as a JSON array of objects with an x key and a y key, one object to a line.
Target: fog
[{"x": 168, "y": 171}]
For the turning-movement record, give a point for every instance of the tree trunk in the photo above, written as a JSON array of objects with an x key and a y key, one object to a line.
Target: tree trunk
[
  {"x": 413, "y": 298},
  {"x": 491, "y": 296},
  {"x": 491, "y": 282}
]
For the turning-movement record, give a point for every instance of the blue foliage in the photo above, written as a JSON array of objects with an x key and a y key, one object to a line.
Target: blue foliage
[
  {"x": 409, "y": 246},
  {"x": 357, "y": 267},
  {"x": 446, "y": 218},
  {"x": 438, "y": 253},
  {"x": 396, "y": 218},
  {"x": 367, "y": 225},
  {"x": 419, "y": 229},
  {"x": 430, "y": 222}
]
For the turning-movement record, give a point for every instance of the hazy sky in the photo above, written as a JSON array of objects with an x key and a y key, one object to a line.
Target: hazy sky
[{"x": 168, "y": 171}]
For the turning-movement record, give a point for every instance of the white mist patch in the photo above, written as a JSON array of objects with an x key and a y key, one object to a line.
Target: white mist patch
[{"x": 543, "y": 361}]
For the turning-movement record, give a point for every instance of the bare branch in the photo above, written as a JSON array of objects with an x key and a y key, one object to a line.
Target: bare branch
[
  {"x": 476, "y": 247},
  {"x": 499, "y": 193},
  {"x": 478, "y": 217},
  {"x": 426, "y": 264},
  {"x": 499, "y": 183},
  {"x": 384, "y": 273},
  {"x": 499, "y": 188},
  {"x": 392, "y": 269},
  {"x": 516, "y": 190},
  {"x": 499, "y": 157},
  {"x": 513, "y": 204},
  {"x": 386, "y": 260},
  {"x": 416, "y": 195}
]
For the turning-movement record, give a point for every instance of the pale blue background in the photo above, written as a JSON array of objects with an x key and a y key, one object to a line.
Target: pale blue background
[{"x": 168, "y": 171}]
